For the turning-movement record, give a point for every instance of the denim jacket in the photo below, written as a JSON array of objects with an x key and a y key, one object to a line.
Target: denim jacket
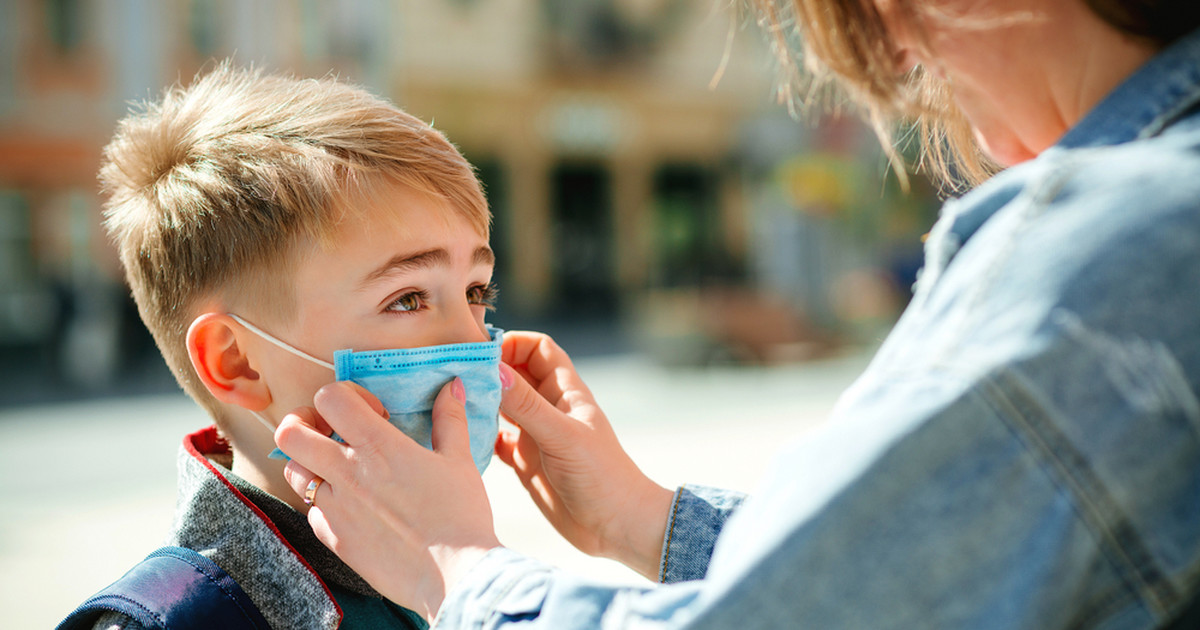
[{"x": 1024, "y": 450}]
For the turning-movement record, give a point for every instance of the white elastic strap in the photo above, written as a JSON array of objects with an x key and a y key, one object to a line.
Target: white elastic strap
[
  {"x": 263, "y": 419},
  {"x": 261, "y": 333}
]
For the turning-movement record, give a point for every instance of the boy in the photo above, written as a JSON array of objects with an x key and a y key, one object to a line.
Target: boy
[{"x": 256, "y": 214}]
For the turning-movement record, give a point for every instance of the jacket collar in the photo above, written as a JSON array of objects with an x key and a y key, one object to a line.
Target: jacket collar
[
  {"x": 214, "y": 518},
  {"x": 1148, "y": 101},
  {"x": 1163, "y": 91}
]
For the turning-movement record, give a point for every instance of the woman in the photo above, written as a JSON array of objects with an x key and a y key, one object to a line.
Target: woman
[{"x": 1023, "y": 452}]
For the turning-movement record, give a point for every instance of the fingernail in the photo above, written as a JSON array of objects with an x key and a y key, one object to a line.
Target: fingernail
[
  {"x": 456, "y": 390},
  {"x": 506, "y": 377}
]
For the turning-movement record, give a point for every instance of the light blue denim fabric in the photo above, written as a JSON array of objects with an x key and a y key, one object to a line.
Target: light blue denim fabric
[
  {"x": 1023, "y": 452},
  {"x": 698, "y": 513}
]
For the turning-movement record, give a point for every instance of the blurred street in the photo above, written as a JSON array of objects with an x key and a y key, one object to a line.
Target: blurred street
[
  {"x": 675, "y": 233},
  {"x": 89, "y": 484}
]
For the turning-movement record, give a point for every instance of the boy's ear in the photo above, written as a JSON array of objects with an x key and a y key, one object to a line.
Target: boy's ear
[{"x": 222, "y": 363}]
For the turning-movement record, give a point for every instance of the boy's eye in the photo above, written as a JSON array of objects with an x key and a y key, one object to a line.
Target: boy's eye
[
  {"x": 408, "y": 302},
  {"x": 483, "y": 294}
]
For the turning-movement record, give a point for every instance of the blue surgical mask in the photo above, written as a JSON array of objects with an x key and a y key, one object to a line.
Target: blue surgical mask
[{"x": 408, "y": 380}]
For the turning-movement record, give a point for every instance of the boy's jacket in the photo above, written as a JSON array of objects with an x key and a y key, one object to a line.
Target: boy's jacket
[{"x": 250, "y": 535}]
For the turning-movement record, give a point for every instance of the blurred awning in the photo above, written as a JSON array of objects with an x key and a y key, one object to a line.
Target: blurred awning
[{"x": 35, "y": 162}]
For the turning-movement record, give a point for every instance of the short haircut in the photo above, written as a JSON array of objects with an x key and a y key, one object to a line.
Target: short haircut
[
  {"x": 846, "y": 42},
  {"x": 212, "y": 190}
]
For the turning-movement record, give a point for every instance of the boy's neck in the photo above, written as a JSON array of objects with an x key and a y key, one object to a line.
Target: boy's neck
[
  {"x": 250, "y": 462},
  {"x": 268, "y": 477}
]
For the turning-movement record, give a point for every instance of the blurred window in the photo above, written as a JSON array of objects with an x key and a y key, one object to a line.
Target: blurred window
[
  {"x": 688, "y": 242},
  {"x": 27, "y": 307},
  {"x": 16, "y": 257},
  {"x": 204, "y": 27},
  {"x": 64, "y": 21},
  {"x": 601, "y": 34},
  {"x": 351, "y": 36},
  {"x": 8, "y": 56},
  {"x": 584, "y": 282}
]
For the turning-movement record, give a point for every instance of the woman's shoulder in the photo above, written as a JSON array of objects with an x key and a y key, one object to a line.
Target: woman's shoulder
[
  {"x": 1161, "y": 172},
  {"x": 1110, "y": 235},
  {"x": 1086, "y": 209},
  {"x": 1078, "y": 202}
]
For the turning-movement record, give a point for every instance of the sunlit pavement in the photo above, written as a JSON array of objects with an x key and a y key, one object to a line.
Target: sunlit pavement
[{"x": 87, "y": 488}]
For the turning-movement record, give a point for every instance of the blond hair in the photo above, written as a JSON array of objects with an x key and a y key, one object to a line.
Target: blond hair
[
  {"x": 846, "y": 43},
  {"x": 212, "y": 189}
]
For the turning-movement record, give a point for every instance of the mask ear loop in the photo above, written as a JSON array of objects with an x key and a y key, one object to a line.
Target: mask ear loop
[
  {"x": 263, "y": 419},
  {"x": 300, "y": 353},
  {"x": 262, "y": 333}
]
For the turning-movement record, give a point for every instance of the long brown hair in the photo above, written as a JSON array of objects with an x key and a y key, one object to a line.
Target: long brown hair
[{"x": 820, "y": 43}]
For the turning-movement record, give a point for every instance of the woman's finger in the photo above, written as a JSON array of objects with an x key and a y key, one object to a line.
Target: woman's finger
[
  {"x": 298, "y": 437},
  {"x": 371, "y": 399},
  {"x": 546, "y": 366},
  {"x": 310, "y": 417},
  {"x": 543, "y": 363},
  {"x": 517, "y": 450},
  {"x": 297, "y": 476},
  {"x": 320, "y": 527},
  {"x": 517, "y": 345},
  {"x": 449, "y": 434},
  {"x": 354, "y": 413},
  {"x": 506, "y": 444},
  {"x": 547, "y": 425}
]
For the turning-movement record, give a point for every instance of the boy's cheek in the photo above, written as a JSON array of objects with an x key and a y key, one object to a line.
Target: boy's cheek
[{"x": 296, "y": 387}]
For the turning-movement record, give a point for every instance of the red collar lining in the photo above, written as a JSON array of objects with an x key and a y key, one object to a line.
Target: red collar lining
[{"x": 209, "y": 441}]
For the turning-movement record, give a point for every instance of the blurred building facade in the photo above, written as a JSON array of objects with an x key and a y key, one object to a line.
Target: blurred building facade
[{"x": 624, "y": 187}]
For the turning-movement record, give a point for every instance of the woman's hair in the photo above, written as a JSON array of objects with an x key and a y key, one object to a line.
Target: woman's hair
[
  {"x": 214, "y": 189},
  {"x": 845, "y": 42}
]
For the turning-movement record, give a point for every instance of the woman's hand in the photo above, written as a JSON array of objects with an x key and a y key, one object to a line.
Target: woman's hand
[
  {"x": 569, "y": 459},
  {"x": 411, "y": 521}
]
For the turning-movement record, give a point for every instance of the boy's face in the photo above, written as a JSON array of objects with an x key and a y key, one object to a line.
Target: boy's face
[{"x": 404, "y": 270}]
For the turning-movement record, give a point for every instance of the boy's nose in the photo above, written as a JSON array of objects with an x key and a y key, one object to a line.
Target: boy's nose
[{"x": 462, "y": 327}]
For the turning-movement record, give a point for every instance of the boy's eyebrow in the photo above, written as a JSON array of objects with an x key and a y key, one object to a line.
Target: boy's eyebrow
[
  {"x": 483, "y": 256},
  {"x": 424, "y": 260}
]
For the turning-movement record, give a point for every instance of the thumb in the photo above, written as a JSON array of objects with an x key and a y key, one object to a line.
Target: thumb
[
  {"x": 549, "y": 427},
  {"x": 449, "y": 434}
]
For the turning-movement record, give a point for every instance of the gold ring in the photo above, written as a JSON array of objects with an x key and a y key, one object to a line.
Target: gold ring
[{"x": 310, "y": 491}]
